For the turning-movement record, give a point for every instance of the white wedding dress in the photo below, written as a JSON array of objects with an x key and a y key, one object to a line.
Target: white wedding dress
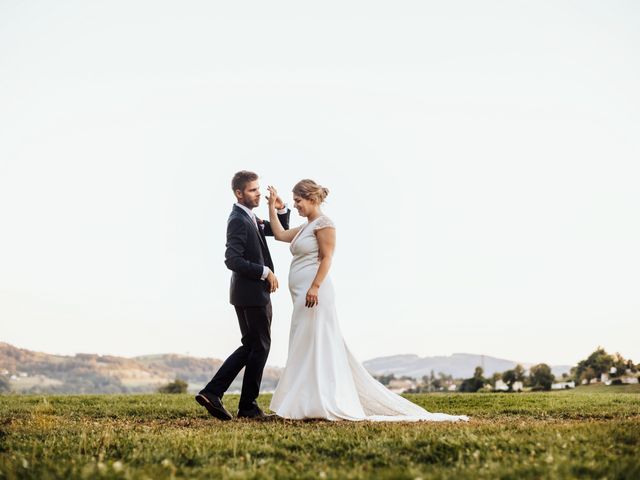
[{"x": 322, "y": 379}]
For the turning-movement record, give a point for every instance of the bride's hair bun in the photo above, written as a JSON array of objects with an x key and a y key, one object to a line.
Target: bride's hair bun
[{"x": 310, "y": 190}]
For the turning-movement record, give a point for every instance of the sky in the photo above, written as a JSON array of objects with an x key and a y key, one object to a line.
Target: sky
[{"x": 483, "y": 162}]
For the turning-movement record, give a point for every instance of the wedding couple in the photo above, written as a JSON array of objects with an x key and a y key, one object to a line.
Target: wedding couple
[{"x": 321, "y": 379}]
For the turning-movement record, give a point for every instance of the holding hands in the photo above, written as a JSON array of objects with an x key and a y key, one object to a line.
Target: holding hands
[{"x": 275, "y": 201}]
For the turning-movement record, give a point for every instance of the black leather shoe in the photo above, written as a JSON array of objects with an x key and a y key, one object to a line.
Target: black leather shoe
[
  {"x": 213, "y": 405},
  {"x": 256, "y": 414}
]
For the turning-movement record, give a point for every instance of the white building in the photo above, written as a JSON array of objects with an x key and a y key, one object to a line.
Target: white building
[
  {"x": 629, "y": 379},
  {"x": 501, "y": 386},
  {"x": 563, "y": 385},
  {"x": 401, "y": 386}
]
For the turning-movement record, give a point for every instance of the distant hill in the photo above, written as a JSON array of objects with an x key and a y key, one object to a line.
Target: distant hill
[
  {"x": 460, "y": 365},
  {"x": 36, "y": 372}
]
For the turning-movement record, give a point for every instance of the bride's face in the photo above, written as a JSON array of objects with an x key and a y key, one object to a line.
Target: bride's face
[{"x": 304, "y": 206}]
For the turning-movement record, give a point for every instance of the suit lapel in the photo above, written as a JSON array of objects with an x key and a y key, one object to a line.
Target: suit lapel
[{"x": 253, "y": 227}]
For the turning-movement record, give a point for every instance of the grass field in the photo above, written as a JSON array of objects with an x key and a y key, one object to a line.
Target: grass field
[{"x": 590, "y": 432}]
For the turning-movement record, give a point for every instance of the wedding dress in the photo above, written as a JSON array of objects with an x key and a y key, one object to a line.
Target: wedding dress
[{"x": 322, "y": 379}]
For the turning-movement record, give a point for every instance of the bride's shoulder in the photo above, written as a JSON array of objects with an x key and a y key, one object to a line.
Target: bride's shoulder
[{"x": 323, "y": 222}]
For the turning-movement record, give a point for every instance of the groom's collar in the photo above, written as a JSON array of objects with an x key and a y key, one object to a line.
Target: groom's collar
[{"x": 247, "y": 210}]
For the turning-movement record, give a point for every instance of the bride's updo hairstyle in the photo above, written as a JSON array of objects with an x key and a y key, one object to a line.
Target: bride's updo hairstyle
[{"x": 310, "y": 190}]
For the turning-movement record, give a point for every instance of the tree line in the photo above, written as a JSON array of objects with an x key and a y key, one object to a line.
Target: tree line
[{"x": 540, "y": 376}]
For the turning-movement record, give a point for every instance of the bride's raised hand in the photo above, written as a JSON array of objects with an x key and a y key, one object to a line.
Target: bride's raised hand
[
  {"x": 273, "y": 197},
  {"x": 273, "y": 193}
]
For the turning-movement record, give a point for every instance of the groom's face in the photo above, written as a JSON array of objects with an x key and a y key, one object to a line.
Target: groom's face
[{"x": 250, "y": 196}]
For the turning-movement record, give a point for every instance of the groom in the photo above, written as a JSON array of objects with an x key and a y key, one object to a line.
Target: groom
[{"x": 252, "y": 282}]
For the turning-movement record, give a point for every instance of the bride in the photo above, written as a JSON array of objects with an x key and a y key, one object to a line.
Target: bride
[{"x": 322, "y": 379}]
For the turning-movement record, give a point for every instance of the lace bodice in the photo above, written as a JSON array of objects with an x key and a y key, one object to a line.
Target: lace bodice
[{"x": 323, "y": 222}]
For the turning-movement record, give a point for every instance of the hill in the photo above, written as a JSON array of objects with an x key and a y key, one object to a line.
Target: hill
[
  {"x": 460, "y": 365},
  {"x": 36, "y": 372}
]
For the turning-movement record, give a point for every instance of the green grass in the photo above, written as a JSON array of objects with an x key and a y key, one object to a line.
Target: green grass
[{"x": 589, "y": 432}]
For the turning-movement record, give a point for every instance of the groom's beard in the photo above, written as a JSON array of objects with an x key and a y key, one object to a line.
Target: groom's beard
[{"x": 251, "y": 204}]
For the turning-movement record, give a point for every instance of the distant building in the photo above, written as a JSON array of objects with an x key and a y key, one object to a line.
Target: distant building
[
  {"x": 400, "y": 386},
  {"x": 501, "y": 386},
  {"x": 587, "y": 382},
  {"x": 628, "y": 379},
  {"x": 563, "y": 385}
]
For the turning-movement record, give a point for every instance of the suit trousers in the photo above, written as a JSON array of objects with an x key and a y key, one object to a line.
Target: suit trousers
[{"x": 255, "y": 327}]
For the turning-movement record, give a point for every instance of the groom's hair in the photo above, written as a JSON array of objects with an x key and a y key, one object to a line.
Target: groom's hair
[{"x": 241, "y": 179}]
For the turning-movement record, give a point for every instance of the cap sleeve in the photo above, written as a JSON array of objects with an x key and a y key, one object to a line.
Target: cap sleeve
[{"x": 323, "y": 222}]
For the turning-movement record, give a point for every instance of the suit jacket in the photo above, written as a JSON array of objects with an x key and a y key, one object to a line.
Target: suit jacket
[{"x": 246, "y": 255}]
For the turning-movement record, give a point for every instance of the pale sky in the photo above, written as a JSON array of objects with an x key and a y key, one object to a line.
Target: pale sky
[{"x": 483, "y": 160}]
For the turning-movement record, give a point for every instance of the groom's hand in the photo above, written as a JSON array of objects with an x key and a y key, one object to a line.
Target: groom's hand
[
  {"x": 274, "y": 198},
  {"x": 272, "y": 281}
]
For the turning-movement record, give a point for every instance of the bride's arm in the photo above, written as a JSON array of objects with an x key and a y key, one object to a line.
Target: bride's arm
[
  {"x": 276, "y": 227},
  {"x": 326, "y": 246}
]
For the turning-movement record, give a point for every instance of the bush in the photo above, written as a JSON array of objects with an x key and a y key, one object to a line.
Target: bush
[
  {"x": 5, "y": 386},
  {"x": 177, "y": 386},
  {"x": 541, "y": 377}
]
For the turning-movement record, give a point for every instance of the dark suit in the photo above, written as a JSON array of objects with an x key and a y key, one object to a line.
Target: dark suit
[{"x": 246, "y": 255}]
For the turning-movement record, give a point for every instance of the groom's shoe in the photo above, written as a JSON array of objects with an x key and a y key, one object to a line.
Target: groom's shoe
[
  {"x": 256, "y": 414},
  {"x": 213, "y": 405}
]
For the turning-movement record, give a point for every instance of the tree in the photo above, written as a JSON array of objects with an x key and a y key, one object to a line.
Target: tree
[
  {"x": 427, "y": 383},
  {"x": 621, "y": 365},
  {"x": 514, "y": 375},
  {"x": 541, "y": 377},
  {"x": 594, "y": 365},
  {"x": 474, "y": 383},
  {"x": 5, "y": 386},
  {"x": 587, "y": 374},
  {"x": 177, "y": 386},
  {"x": 385, "y": 379},
  {"x": 436, "y": 384}
]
